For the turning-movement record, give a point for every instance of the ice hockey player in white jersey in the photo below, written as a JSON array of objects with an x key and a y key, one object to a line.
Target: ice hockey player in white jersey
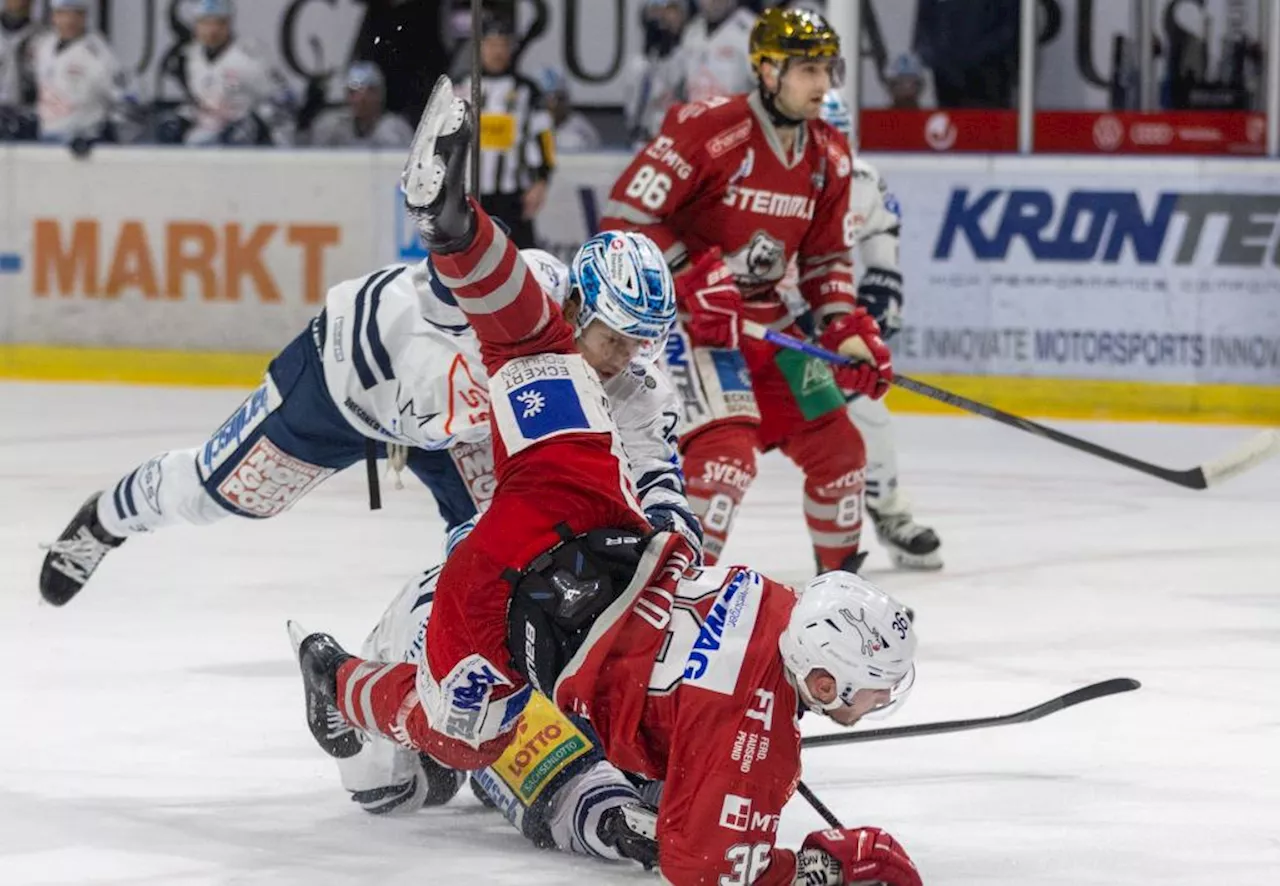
[
  {"x": 231, "y": 94},
  {"x": 364, "y": 121},
  {"x": 390, "y": 359},
  {"x": 553, "y": 783},
  {"x": 713, "y": 55},
  {"x": 82, "y": 92},
  {"x": 877, "y": 214},
  {"x": 17, "y": 75}
]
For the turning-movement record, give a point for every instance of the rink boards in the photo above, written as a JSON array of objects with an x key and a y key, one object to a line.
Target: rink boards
[{"x": 1057, "y": 286}]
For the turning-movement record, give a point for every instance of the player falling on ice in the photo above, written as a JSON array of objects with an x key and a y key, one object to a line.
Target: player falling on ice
[
  {"x": 552, "y": 783},
  {"x": 690, "y": 676},
  {"x": 390, "y": 359},
  {"x": 732, "y": 190}
]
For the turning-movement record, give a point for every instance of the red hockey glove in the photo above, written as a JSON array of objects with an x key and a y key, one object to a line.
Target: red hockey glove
[
  {"x": 707, "y": 295},
  {"x": 861, "y": 855},
  {"x": 857, "y": 336}
]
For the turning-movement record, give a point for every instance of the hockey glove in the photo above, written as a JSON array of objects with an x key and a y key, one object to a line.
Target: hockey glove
[
  {"x": 670, "y": 518},
  {"x": 843, "y": 856},
  {"x": 856, "y": 335},
  {"x": 707, "y": 295},
  {"x": 880, "y": 292}
]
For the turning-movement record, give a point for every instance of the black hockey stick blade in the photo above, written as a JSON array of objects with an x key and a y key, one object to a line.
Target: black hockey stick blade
[
  {"x": 1249, "y": 454},
  {"x": 1044, "y": 709}
]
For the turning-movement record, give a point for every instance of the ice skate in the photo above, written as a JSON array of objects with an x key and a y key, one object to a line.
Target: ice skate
[
  {"x": 632, "y": 830},
  {"x": 77, "y": 553},
  {"x": 320, "y": 656},
  {"x": 435, "y": 175},
  {"x": 910, "y": 545}
]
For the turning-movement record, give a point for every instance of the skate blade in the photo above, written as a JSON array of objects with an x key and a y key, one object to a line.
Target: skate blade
[
  {"x": 297, "y": 633},
  {"x": 915, "y": 562},
  {"x": 424, "y": 171}
]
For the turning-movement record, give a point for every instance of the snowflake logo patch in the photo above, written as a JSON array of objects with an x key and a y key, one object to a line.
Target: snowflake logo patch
[
  {"x": 547, "y": 406},
  {"x": 533, "y": 402}
]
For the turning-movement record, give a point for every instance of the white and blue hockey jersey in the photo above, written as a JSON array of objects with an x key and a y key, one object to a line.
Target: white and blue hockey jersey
[{"x": 403, "y": 366}]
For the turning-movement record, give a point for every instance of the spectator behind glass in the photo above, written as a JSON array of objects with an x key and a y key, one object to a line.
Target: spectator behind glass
[
  {"x": 574, "y": 131},
  {"x": 972, "y": 48},
  {"x": 17, "y": 76},
  {"x": 904, "y": 78},
  {"x": 713, "y": 51},
  {"x": 364, "y": 121},
  {"x": 83, "y": 93},
  {"x": 653, "y": 83},
  {"x": 236, "y": 97}
]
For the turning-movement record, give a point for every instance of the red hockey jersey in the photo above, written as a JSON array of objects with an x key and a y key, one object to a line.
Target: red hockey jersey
[
  {"x": 683, "y": 681},
  {"x": 717, "y": 175}
]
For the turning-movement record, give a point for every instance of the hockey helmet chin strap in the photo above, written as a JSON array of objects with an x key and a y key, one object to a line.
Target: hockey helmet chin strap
[{"x": 770, "y": 101}]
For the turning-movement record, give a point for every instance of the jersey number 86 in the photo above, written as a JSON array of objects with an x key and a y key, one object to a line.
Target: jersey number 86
[{"x": 650, "y": 187}]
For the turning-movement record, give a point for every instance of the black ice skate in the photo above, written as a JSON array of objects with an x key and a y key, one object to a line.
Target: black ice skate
[
  {"x": 910, "y": 545},
  {"x": 632, "y": 830},
  {"x": 320, "y": 656},
  {"x": 76, "y": 554},
  {"x": 434, "y": 180}
]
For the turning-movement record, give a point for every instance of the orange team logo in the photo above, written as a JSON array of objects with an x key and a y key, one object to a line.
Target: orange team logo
[{"x": 468, "y": 399}]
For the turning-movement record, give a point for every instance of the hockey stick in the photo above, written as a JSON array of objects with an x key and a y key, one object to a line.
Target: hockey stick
[
  {"x": 371, "y": 474},
  {"x": 477, "y": 22},
  {"x": 1247, "y": 455},
  {"x": 818, "y": 806},
  {"x": 1044, "y": 709}
]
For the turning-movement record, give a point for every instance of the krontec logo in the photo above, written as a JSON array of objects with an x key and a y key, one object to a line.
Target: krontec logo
[{"x": 1109, "y": 227}]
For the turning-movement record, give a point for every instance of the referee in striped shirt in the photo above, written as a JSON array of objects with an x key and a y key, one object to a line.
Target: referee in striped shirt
[{"x": 517, "y": 137}]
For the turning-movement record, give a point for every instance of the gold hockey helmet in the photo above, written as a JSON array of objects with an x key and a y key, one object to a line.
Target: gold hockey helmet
[{"x": 781, "y": 35}]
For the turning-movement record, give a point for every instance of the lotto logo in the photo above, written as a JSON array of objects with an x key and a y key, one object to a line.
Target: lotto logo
[
  {"x": 268, "y": 481},
  {"x": 735, "y": 814}
]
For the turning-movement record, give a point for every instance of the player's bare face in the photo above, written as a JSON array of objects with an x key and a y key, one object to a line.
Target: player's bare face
[
  {"x": 68, "y": 24},
  {"x": 802, "y": 88},
  {"x": 609, "y": 352},
  {"x": 864, "y": 702},
  {"x": 824, "y": 689}
]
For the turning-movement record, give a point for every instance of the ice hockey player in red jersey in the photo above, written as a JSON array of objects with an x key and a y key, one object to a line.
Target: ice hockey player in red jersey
[
  {"x": 732, "y": 190},
  {"x": 689, "y": 675}
]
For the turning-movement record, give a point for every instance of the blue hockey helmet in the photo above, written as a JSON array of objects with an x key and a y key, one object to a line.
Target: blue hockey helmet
[
  {"x": 624, "y": 282},
  {"x": 836, "y": 112}
]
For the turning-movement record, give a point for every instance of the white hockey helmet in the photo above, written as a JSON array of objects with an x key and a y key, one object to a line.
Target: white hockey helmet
[{"x": 854, "y": 631}]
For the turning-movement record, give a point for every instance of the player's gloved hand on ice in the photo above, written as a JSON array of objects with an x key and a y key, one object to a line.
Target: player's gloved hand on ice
[
  {"x": 843, "y": 856},
  {"x": 880, "y": 292},
  {"x": 707, "y": 295},
  {"x": 855, "y": 335}
]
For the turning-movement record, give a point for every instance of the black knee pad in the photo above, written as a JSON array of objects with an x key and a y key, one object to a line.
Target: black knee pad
[{"x": 559, "y": 596}]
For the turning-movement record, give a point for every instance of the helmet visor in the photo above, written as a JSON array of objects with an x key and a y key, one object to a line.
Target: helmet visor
[{"x": 898, "y": 694}]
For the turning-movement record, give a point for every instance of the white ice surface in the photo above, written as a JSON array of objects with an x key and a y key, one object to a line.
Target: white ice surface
[{"x": 151, "y": 731}]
